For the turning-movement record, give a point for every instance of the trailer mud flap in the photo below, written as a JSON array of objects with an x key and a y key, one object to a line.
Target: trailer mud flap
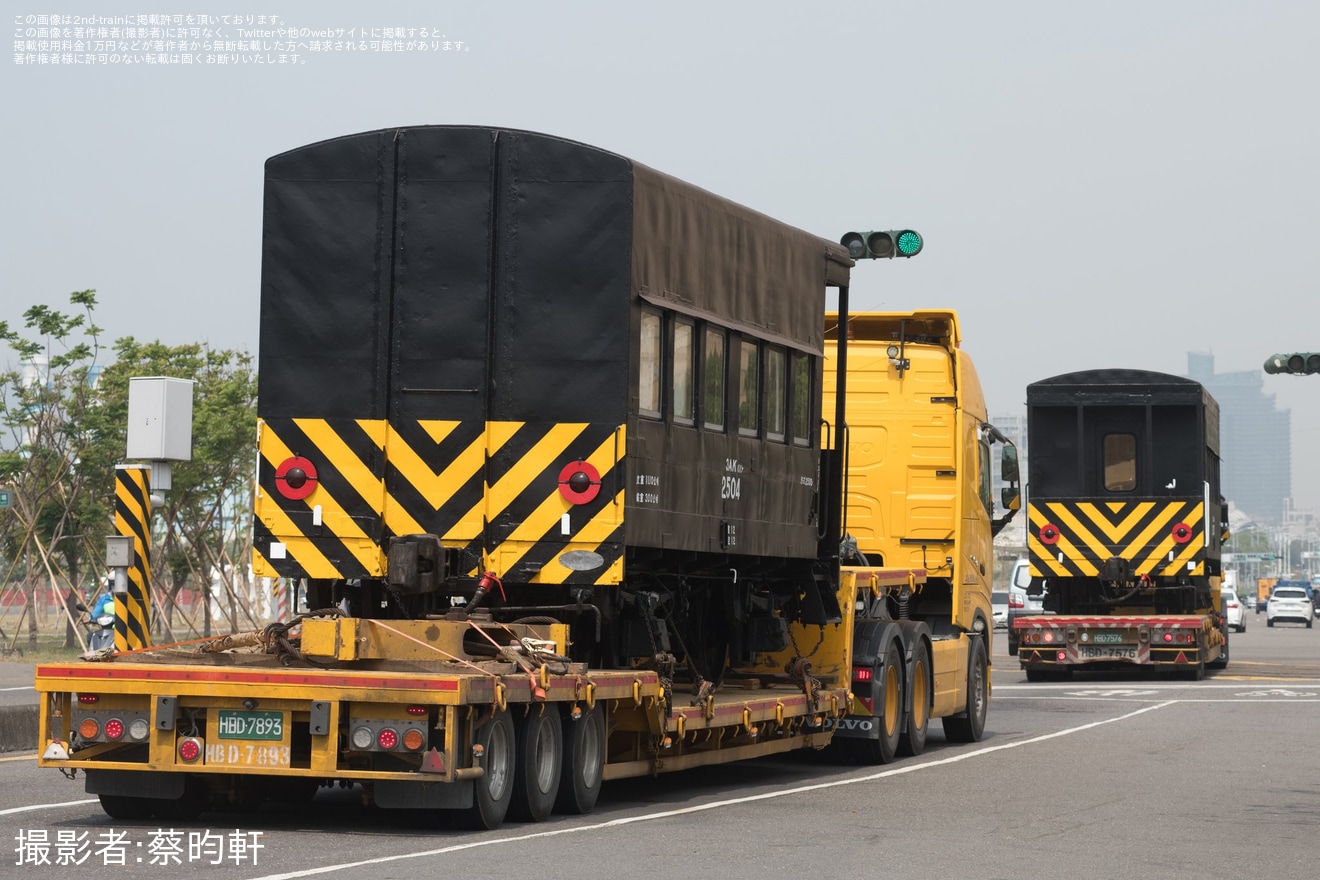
[{"x": 136, "y": 783}]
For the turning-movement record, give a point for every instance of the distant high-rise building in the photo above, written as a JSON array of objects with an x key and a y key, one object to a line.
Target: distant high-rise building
[{"x": 1255, "y": 439}]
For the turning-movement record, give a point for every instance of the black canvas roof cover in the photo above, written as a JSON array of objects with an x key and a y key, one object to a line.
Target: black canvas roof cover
[
  {"x": 1116, "y": 386},
  {"x": 399, "y": 265}
]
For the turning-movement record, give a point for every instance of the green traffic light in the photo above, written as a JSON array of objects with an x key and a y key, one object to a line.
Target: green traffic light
[{"x": 909, "y": 243}]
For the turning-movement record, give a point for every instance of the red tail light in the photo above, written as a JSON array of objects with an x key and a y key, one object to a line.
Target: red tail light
[{"x": 862, "y": 673}]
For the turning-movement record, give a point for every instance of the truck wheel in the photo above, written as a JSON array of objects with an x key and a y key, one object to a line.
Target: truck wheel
[
  {"x": 125, "y": 807},
  {"x": 913, "y": 740},
  {"x": 970, "y": 726},
  {"x": 583, "y": 764},
  {"x": 1269, "y": 622},
  {"x": 492, "y": 790},
  {"x": 536, "y": 777},
  {"x": 890, "y": 722}
]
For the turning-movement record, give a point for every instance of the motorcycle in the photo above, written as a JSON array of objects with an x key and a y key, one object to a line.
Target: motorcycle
[{"x": 100, "y": 622}]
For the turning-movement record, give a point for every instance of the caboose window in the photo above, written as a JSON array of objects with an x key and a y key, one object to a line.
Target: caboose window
[
  {"x": 712, "y": 401},
  {"x": 648, "y": 383},
  {"x": 801, "y": 399},
  {"x": 684, "y": 351},
  {"x": 1120, "y": 462},
  {"x": 775, "y": 394},
  {"x": 749, "y": 379}
]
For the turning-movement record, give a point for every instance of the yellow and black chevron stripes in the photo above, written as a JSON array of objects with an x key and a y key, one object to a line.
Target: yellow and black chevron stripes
[
  {"x": 489, "y": 490},
  {"x": 1158, "y": 536},
  {"x": 133, "y": 519}
]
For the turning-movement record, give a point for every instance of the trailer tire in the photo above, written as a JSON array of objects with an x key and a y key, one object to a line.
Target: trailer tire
[
  {"x": 969, "y": 726},
  {"x": 125, "y": 807},
  {"x": 583, "y": 766},
  {"x": 536, "y": 777},
  {"x": 890, "y": 720},
  {"x": 913, "y": 740},
  {"x": 492, "y": 790}
]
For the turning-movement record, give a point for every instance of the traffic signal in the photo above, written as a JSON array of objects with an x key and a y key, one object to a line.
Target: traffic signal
[
  {"x": 1298, "y": 363},
  {"x": 882, "y": 245}
]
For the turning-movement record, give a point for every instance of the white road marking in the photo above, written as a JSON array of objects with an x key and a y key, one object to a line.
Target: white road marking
[
  {"x": 32, "y": 807},
  {"x": 666, "y": 814}
]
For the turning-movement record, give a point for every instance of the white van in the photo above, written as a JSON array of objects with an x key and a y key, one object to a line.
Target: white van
[{"x": 1020, "y": 603}]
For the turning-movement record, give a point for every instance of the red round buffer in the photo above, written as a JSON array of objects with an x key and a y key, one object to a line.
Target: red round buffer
[
  {"x": 296, "y": 478},
  {"x": 579, "y": 482}
]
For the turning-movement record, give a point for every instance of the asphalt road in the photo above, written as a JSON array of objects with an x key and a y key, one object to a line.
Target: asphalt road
[{"x": 1110, "y": 776}]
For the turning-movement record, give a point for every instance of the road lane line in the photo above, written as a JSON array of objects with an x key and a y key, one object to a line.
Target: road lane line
[
  {"x": 666, "y": 814},
  {"x": 28, "y": 809}
]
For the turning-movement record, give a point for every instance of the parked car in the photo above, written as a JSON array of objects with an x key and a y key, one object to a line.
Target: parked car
[
  {"x": 999, "y": 608},
  {"x": 1021, "y": 600},
  {"x": 1235, "y": 615},
  {"x": 1289, "y": 603}
]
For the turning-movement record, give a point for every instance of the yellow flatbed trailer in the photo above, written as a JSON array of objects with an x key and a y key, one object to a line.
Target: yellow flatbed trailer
[{"x": 405, "y": 709}]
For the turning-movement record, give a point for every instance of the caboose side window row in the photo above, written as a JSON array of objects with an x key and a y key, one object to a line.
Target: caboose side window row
[{"x": 703, "y": 376}]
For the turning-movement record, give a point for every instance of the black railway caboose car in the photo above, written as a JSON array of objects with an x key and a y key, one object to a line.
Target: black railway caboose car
[
  {"x": 1124, "y": 510},
  {"x": 495, "y": 362}
]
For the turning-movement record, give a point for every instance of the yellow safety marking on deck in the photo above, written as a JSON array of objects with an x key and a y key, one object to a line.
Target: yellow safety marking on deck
[
  {"x": 436, "y": 488},
  {"x": 261, "y": 567},
  {"x": 308, "y": 555},
  {"x": 1116, "y": 531},
  {"x": 595, "y": 533},
  {"x": 375, "y": 429},
  {"x": 436, "y": 429},
  {"x": 1144, "y": 538},
  {"x": 1079, "y": 530},
  {"x": 346, "y": 529},
  {"x": 540, "y": 458},
  {"x": 1115, "y": 506},
  {"x": 343, "y": 459},
  {"x": 556, "y": 505}
]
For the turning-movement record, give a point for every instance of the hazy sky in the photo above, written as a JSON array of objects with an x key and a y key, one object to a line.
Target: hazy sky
[{"x": 1098, "y": 185}]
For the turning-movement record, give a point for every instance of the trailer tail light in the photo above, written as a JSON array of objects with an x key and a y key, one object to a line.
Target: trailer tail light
[
  {"x": 89, "y": 729},
  {"x": 413, "y": 739},
  {"x": 1061, "y": 656},
  {"x": 114, "y": 730},
  {"x": 388, "y": 738},
  {"x": 1168, "y": 637},
  {"x": 862, "y": 673},
  {"x": 190, "y": 749},
  {"x": 138, "y": 729},
  {"x": 362, "y": 738},
  {"x": 88, "y": 699},
  {"x": 416, "y": 710}
]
